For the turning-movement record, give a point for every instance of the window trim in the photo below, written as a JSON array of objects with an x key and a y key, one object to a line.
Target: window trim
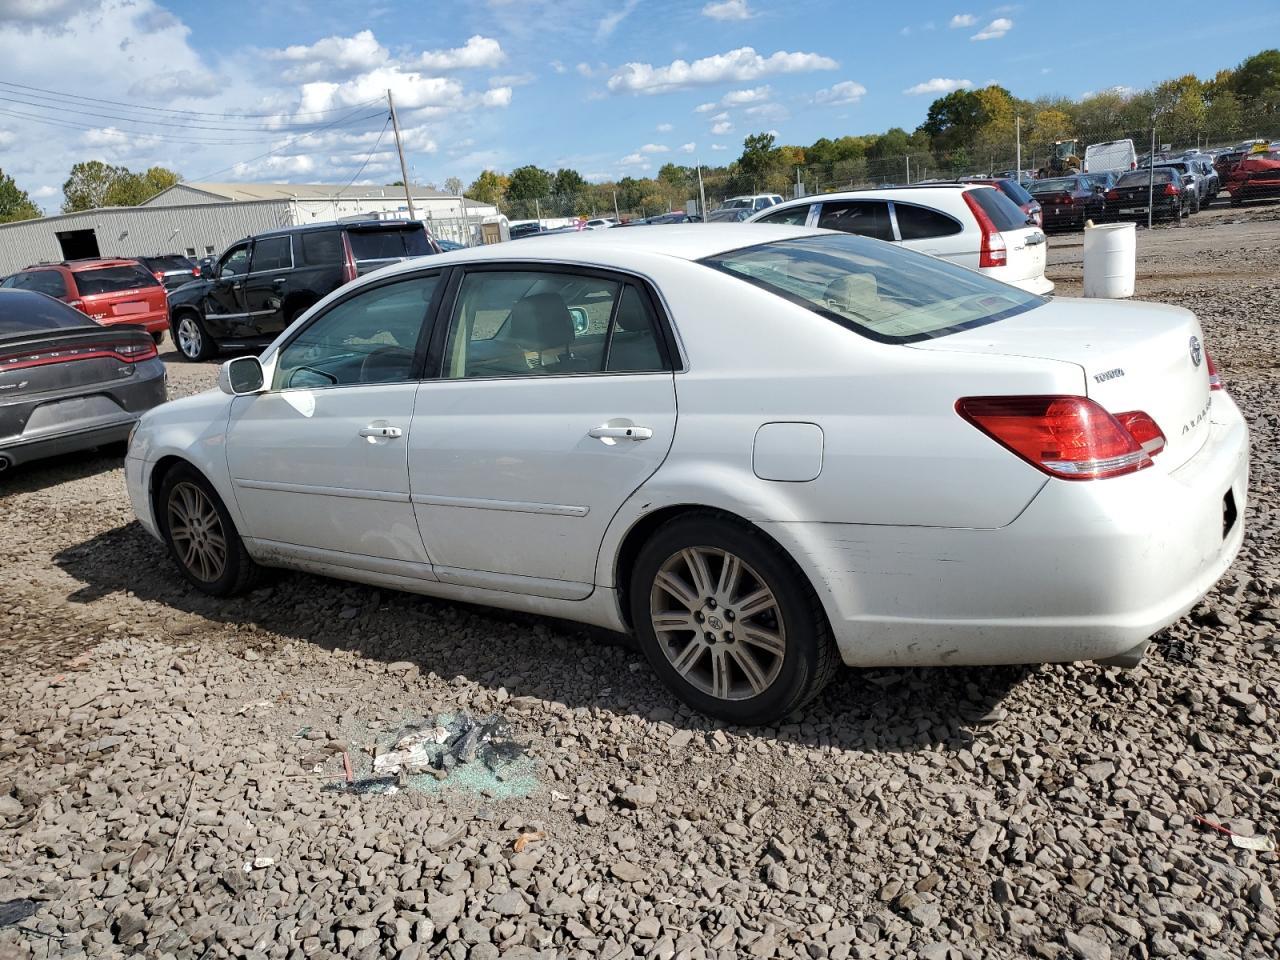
[
  {"x": 253, "y": 245},
  {"x": 425, "y": 334},
  {"x": 664, "y": 339}
]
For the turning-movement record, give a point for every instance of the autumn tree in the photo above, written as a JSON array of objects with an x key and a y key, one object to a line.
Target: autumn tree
[
  {"x": 14, "y": 202},
  {"x": 93, "y": 184},
  {"x": 453, "y": 186},
  {"x": 489, "y": 187}
]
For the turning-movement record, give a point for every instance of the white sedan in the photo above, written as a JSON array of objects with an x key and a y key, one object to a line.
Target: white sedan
[{"x": 763, "y": 452}]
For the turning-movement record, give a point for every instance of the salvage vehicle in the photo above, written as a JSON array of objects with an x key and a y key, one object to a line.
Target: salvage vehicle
[
  {"x": 1255, "y": 177},
  {"x": 171, "y": 269},
  {"x": 109, "y": 290},
  {"x": 972, "y": 224},
  {"x": 1170, "y": 196},
  {"x": 262, "y": 284},
  {"x": 1068, "y": 201},
  {"x": 1117, "y": 156},
  {"x": 880, "y": 458},
  {"x": 1015, "y": 191},
  {"x": 66, "y": 382}
]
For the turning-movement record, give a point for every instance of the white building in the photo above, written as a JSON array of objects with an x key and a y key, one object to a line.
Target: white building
[{"x": 200, "y": 219}]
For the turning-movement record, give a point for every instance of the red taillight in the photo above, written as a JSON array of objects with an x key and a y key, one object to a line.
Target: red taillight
[
  {"x": 348, "y": 260},
  {"x": 1143, "y": 429},
  {"x": 1066, "y": 200},
  {"x": 195, "y": 272},
  {"x": 1170, "y": 190},
  {"x": 1112, "y": 195},
  {"x": 1215, "y": 378},
  {"x": 131, "y": 352},
  {"x": 159, "y": 275},
  {"x": 1068, "y": 437},
  {"x": 77, "y": 304},
  {"x": 991, "y": 251}
]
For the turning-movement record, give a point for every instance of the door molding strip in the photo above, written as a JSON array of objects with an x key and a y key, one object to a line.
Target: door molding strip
[
  {"x": 389, "y": 496},
  {"x": 508, "y": 506}
]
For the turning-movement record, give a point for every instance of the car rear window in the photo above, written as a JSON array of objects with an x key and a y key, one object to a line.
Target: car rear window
[
  {"x": 31, "y": 313},
  {"x": 386, "y": 244},
  {"x": 1004, "y": 213},
  {"x": 112, "y": 280},
  {"x": 1139, "y": 178},
  {"x": 1057, "y": 185},
  {"x": 1014, "y": 191},
  {"x": 878, "y": 290},
  {"x": 171, "y": 263}
]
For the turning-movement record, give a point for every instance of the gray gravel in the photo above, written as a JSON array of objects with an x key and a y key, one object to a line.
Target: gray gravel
[{"x": 172, "y": 778}]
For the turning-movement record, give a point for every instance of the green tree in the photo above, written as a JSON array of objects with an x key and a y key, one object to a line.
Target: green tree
[
  {"x": 675, "y": 174},
  {"x": 760, "y": 158},
  {"x": 489, "y": 187},
  {"x": 1257, "y": 81},
  {"x": 88, "y": 185},
  {"x": 14, "y": 202},
  {"x": 453, "y": 186},
  {"x": 131, "y": 189}
]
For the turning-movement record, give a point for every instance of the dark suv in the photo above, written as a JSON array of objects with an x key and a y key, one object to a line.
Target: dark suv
[
  {"x": 171, "y": 269},
  {"x": 260, "y": 285}
]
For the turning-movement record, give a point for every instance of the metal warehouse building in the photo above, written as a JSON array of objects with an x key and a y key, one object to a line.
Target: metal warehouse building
[{"x": 200, "y": 219}]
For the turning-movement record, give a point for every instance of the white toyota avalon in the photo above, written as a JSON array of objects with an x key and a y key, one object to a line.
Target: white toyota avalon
[{"x": 762, "y": 451}]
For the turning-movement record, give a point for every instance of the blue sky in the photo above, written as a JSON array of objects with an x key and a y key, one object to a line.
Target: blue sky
[{"x": 610, "y": 88}]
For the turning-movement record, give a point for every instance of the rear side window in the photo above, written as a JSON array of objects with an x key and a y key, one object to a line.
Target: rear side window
[
  {"x": 793, "y": 216},
  {"x": 272, "y": 253},
  {"x": 113, "y": 280},
  {"x": 867, "y": 218},
  {"x": 1004, "y": 213},
  {"x": 41, "y": 281},
  {"x": 24, "y": 313},
  {"x": 921, "y": 223},
  {"x": 321, "y": 247},
  {"x": 388, "y": 244}
]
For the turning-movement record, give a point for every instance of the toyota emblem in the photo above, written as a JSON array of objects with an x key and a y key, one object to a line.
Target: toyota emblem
[{"x": 1196, "y": 352}]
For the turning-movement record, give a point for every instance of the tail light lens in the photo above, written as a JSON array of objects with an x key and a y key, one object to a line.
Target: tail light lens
[
  {"x": 1215, "y": 378},
  {"x": 1072, "y": 438},
  {"x": 348, "y": 260},
  {"x": 991, "y": 251},
  {"x": 1170, "y": 190},
  {"x": 195, "y": 272},
  {"x": 159, "y": 275},
  {"x": 1112, "y": 195},
  {"x": 1143, "y": 429},
  {"x": 77, "y": 304}
]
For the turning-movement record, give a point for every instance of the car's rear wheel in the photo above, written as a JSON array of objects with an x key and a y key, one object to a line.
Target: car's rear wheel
[
  {"x": 190, "y": 338},
  {"x": 158, "y": 337},
  {"x": 201, "y": 536},
  {"x": 728, "y": 622}
]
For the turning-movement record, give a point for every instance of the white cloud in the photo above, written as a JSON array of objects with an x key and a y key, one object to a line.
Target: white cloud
[
  {"x": 721, "y": 128},
  {"x": 718, "y": 146},
  {"x": 608, "y": 24},
  {"x": 7, "y": 137},
  {"x": 478, "y": 51},
  {"x": 497, "y": 97},
  {"x": 635, "y": 160},
  {"x": 962, "y": 20},
  {"x": 736, "y": 66},
  {"x": 176, "y": 83},
  {"x": 512, "y": 80},
  {"x": 994, "y": 30},
  {"x": 938, "y": 85},
  {"x": 333, "y": 56},
  {"x": 739, "y": 98},
  {"x": 558, "y": 66},
  {"x": 705, "y": 107},
  {"x": 654, "y": 148},
  {"x": 665, "y": 128},
  {"x": 688, "y": 147},
  {"x": 728, "y": 10},
  {"x": 767, "y": 111},
  {"x": 45, "y": 192},
  {"x": 847, "y": 91},
  {"x": 905, "y": 31},
  {"x": 584, "y": 69},
  {"x": 718, "y": 117},
  {"x": 43, "y": 12}
]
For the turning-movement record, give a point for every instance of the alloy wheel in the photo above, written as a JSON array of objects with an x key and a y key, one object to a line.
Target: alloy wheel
[
  {"x": 718, "y": 623},
  {"x": 195, "y": 528},
  {"x": 190, "y": 340}
]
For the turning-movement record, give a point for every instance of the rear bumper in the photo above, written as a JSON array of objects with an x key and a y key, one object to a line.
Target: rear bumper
[
  {"x": 151, "y": 322},
  {"x": 1089, "y": 571},
  {"x": 1041, "y": 285}
]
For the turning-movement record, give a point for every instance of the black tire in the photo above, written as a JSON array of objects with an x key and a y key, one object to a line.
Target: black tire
[
  {"x": 158, "y": 337},
  {"x": 238, "y": 572},
  {"x": 808, "y": 657},
  {"x": 192, "y": 343}
]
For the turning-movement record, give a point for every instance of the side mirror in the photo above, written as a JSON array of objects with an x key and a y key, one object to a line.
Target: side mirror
[{"x": 241, "y": 376}]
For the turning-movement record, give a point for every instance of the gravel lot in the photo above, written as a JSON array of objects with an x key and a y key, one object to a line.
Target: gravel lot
[{"x": 172, "y": 775}]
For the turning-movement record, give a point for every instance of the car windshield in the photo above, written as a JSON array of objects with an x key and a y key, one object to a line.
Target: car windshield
[
  {"x": 113, "y": 280},
  {"x": 23, "y": 312},
  {"x": 875, "y": 289},
  {"x": 389, "y": 244},
  {"x": 1060, "y": 185}
]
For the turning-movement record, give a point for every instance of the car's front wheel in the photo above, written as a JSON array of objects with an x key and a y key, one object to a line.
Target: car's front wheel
[
  {"x": 728, "y": 622},
  {"x": 190, "y": 338},
  {"x": 201, "y": 536}
]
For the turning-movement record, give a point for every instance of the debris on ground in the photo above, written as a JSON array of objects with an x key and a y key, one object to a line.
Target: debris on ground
[{"x": 15, "y": 911}]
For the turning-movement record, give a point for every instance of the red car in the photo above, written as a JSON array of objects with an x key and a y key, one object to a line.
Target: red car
[
  {"x": 109, "y": 291},
  {"x": 1255, "y": 177}
]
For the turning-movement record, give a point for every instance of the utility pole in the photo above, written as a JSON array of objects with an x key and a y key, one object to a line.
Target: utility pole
[
  {"x": 616, "y": 214},
  {"x": 908, "y": 159},
  {"x": 702, "y": 197},
  {"x": 1017, "y": 134},
  {"x": 404, "y": 170},
  {"x": 537, "y": 208},
  {"x": 1151, "y": 176}
]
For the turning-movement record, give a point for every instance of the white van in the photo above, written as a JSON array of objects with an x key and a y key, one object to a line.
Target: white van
[{"x": 1112, "y": 156}]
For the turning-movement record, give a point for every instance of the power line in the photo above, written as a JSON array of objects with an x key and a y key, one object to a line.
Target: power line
[
  {"x": 165, "y": 138},
  {"x": 193, "y": 113},
  {"x": 369, "y": 157}
]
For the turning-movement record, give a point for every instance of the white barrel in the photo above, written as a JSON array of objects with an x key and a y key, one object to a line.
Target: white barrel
[{"x": 1110, "y": 260}]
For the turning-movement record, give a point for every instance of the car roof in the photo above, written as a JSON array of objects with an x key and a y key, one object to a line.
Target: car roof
[
  {"x": 335, "y": 225},
  {"x": 88, "y": 263}
]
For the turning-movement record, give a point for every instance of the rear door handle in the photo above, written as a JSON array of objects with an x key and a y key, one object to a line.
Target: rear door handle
[
  {"x": 373, "y": 432},
  {"x": 620, "y": 433}
]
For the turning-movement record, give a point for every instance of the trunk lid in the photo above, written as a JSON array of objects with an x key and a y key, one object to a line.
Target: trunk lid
[
  {"x": 1133, "y": 356},
  {"x": 59, "y": 360},
  {"x": 1026, "y": 251}
]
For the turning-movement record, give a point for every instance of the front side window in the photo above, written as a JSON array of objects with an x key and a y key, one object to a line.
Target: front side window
[
  {"x": 528, "y": 323},
  {"x": 867, "y": 218},
  {"x": 921, "y": 223},
  {"x": 272, "y": 253},
  {"x": 235, "y": 262},
  {"x": 795, "y": 216},
  {"x": 881, "y": 291},
  {"x": 372, "y": 337}
]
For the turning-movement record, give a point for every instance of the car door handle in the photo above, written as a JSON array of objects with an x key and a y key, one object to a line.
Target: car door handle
[
  {"x": 620, "y": 433},
  {"x": 373, "y": 432},
  {"x": 279, "y": 281}
]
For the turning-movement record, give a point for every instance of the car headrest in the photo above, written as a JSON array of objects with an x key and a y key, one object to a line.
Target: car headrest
[
  {"x": 852, "y": 289},
  {"x": 541, "y": 321}
]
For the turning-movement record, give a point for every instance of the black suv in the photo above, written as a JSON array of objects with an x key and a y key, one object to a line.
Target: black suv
[
  {"x": 260, "y": 285},
  {"x": 171, "y": 269}
]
